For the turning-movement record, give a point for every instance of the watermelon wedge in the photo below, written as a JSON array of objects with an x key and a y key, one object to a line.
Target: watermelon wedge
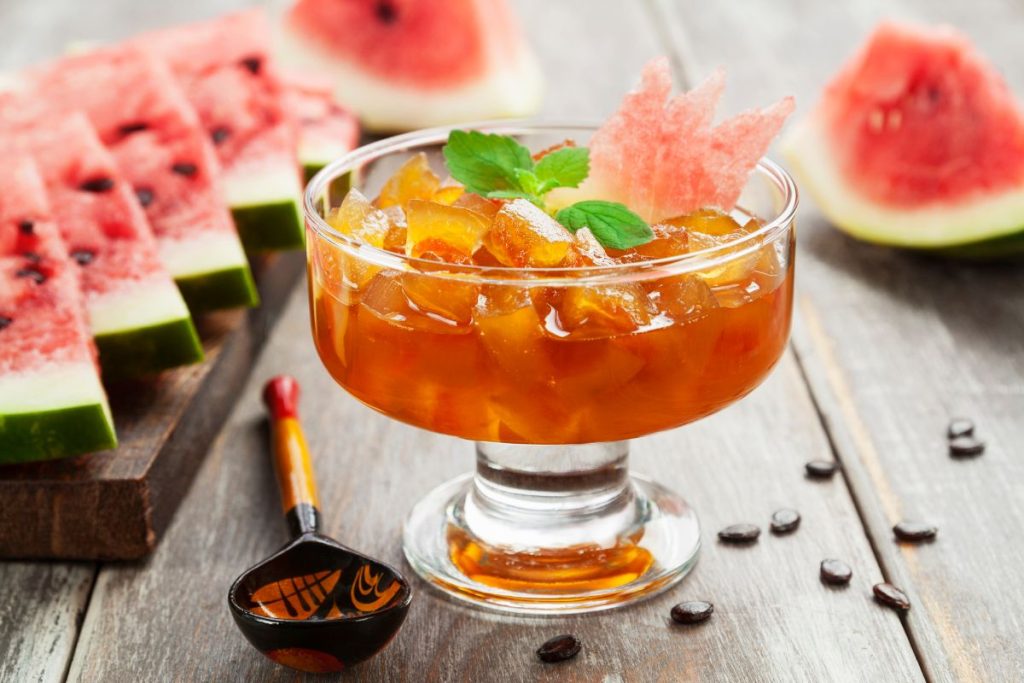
[
  {"x": 144, "y": 119},
  {"x": 136, "y": 314},
  {"x": 661, "y": 155},
  {"x": 405, "y": 64},
  {"x": 326, "y": 129},
  {"x": 917, "y": 143},
  {"x": 52, "y": 403},
  {"x": 224, "y": 67}
]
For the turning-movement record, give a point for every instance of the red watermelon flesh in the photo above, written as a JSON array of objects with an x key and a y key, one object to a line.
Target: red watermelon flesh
[
  {"x": 143, "y": 117},
  {"x": 919, "y": 116},
  {"x": 326, "y": 129},
  {"x": 229, "y": 77},
  {"x": 663, "y": 157}
]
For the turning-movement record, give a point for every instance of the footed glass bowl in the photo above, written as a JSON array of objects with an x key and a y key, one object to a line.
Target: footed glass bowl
[{"x": 552, "y": 520}]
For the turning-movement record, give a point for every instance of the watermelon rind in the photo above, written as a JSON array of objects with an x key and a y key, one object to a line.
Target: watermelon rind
[
  {"x": 990, "y": 226},
  {"x": 265, "y": 208},
  {"x": 58, "y": 412},
  {"x": 212, "y": 272},
  {"x": 219, "y": 289}
]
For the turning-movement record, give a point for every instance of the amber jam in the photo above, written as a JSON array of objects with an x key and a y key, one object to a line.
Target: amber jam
[{"x": 574, "y": 357}]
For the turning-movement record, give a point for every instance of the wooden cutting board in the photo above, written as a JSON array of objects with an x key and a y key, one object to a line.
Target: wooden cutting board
[{"x": 116, "y": 504}]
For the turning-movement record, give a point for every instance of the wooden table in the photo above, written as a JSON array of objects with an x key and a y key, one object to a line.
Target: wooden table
[{"x": 886, "y": 348}]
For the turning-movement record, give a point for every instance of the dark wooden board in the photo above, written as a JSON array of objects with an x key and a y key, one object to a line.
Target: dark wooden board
[
  {"x": 894, "y": 345},
  {"x": 115, "y": 504}
]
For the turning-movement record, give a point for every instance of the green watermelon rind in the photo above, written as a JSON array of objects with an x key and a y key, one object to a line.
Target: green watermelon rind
[
  {"x": 150, "y": 349},
  {"x": 52, "y": 434},
  {"x": 228, "y": 288},
  {"x": 310, "y": 169},
  {"x": 987, "y": 228},
  {"x": 272, "y": 226}
]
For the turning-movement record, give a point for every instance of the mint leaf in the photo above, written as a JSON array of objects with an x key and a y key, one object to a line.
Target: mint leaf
[
  {"x": 485, "y": 162},
  {"x": 614, "y": 225},
  {"x": 566, "y": 167}
]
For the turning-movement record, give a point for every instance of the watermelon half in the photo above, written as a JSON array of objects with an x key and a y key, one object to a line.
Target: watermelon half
[
  {"x": 326, "y": 129},
  {"x": 143, "y": 117},
  {"x": 229, "y": 77},
  {"x": 917, "y": 143},
  {"x": 135, "y": 311},
  {"x": 52, "y": 403},
  {"x": 405, "y": 64}
]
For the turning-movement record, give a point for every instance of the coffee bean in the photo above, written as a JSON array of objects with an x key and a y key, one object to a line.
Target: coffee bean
[
  {"x": 5, "y": 321},
  {"x": 785, "y": 521},
  {"x": 914, "y": 531},
  {"x": 966, "y": 446},
  {"x": 960, "y": 426},
  {"x": 26, "y": 227},
  {"x": 32, "y": 257},
  {"x": 144, "y": 195},
  {"x": 32, "y": 274},
  {"x": 692, "y": 612},
  {"x": 184, "y": 168},
  {"x": 891, "y": 596},
  {"x": 835, "y": 572},
  {"x": 740, "y": 533},
  {"x": 559, "y": 649},
  {"x": 252, "y": 64},
  {"x": 101, "y": 184},
  {"x": 134, "y": 127},
  {"x": 83, "y": 256},
  {"x": 821, "y": 469},
  {"x": 220, "y": 134}
]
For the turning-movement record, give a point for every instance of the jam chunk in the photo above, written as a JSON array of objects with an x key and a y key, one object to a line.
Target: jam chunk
[
  {"x": 523, "y": 235},
  {"x": 413, "y": 180},
  {"x": 442, "y": 229}
]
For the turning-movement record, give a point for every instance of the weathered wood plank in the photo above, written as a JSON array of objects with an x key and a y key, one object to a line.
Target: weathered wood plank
[
  {"x": 774, "y": 620},
  {"x": 894, "y": 345}
]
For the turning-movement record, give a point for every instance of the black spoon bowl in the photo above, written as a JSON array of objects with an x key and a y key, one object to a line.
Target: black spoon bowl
[{"x": 315, "y": 605}]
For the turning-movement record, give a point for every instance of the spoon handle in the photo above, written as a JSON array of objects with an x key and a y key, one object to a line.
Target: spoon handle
[{"x": 291, "y": 456}]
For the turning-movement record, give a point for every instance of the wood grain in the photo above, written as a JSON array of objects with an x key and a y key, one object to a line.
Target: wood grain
[
  {"x": 774, "y": 620},
  {"x": 894, "y": 345}
]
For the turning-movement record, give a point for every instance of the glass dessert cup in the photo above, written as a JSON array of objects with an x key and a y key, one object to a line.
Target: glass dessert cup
[{"x": 551, "y": 521}]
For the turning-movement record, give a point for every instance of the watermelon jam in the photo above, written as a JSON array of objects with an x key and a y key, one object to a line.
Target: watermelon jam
[{"x": 562, "y": 358}]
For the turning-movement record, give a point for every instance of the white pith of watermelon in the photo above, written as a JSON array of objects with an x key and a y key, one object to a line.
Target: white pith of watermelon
[
  {"x": 326, "y": 129},
  {"x": 142, "y": 116},
  {"x": 916, "y": 143},
  {"x": 128, "y": 293},
  {"x": 52, "y": 403},
  {"x": 229, "y": 77},
  {"x": 403, "y": 65}
]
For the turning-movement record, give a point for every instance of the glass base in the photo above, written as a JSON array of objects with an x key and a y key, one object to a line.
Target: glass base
[{"x": 579, "y": 539}]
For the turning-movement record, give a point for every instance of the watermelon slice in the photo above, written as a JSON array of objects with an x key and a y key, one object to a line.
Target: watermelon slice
[
  {"x": 225, "y": 70},
  {"x": 918, "y": 143},
  {"x": 137, "y": 315},
  {"x": 405, "y": 64},
  {"x": 52, "y": 403},
  {"x": 326, "y": 129},
  {"x": 663, "y": 157},
  {"x": 144, "y": 119}
]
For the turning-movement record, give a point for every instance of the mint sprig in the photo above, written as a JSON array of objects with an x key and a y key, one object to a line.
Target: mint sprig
[{"x": 499, "y": 167}]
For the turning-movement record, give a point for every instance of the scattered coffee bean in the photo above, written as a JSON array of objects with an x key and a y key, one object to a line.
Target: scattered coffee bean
[
  {"x": 83, "y": 257},
  {"x": 144, "y": 195},
  {"x": 821, "y": 469},
  {"x": 252, "y": 64},
  {"x": 97, "y": 185},
  {"x": 965, "y": 446},
  {"x": 32, "y": 257},
  {"x": 5, "y": 321},
  {"x": 915, "y": 531},
  {"x": 740, "y": 533},
  {"x": 185, "y": 169},
  {"x": 692, "y": 612},
  {"x": 134, "y": 127},
  {"x": 960, "y": 426},
  {"x": 891, "y": 596},
  {"x": 26, "y": 227},
  {"x": 785, "y": 520},
  {"x": 559, "y": 649},
  {"x": 220, "y": 134},
  {"x": 836, "y": 572},
  {"x": 32, "y": 274}
]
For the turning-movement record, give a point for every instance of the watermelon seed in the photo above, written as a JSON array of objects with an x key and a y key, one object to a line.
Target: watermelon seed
[
  {"x": 97, "y": 185},
  {"x": 32, "y": 257},
  {"x": 26, "y": 227},
  {"x": 184, "y": 169},
  {"x": 252, "y": 64},
  {"x": 83, "y": 256},
  {"x": 220, "y": 134},
  {"x": 5, "y": 321},
  {"x": 136, "y": 127},
  {"x": 386, "y": 12},
  {"x": 33, "y": 274},
  {"x": 144, "y": 195}
]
